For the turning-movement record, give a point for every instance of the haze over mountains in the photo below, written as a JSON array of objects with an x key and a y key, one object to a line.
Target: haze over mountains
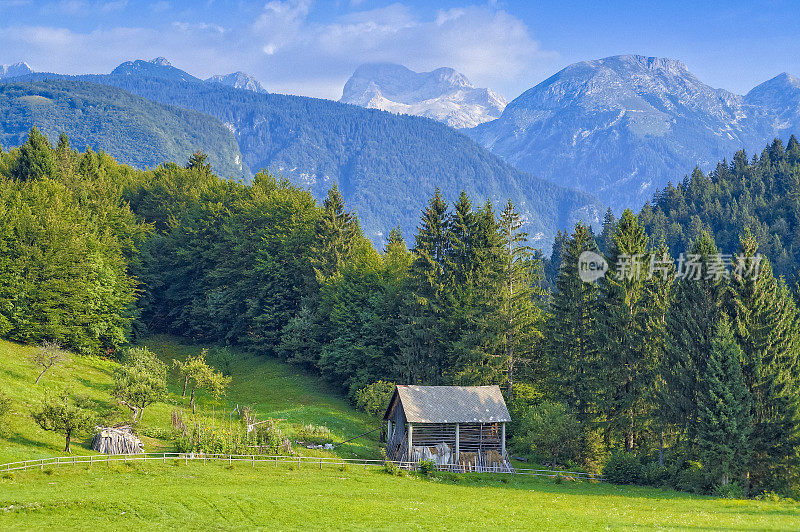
[
  {"x": 622, "y": 127},
  {"x": 15, "y": 70},
  {"x": 619, "y": 127},
  {"x": 387, "y": 166},
  {"x": 443, "y": 94}
]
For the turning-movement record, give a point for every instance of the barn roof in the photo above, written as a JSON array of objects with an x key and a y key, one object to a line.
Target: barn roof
[{"x": 450, "y": 404}]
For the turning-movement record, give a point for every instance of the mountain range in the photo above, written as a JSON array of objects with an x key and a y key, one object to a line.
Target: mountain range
[
  {"x": 12, "y": 71},
  {"x": 443, "y": 94},
  {"x": 624, "y": 126},
  {"x": 387, "y": 166},
  {"x": 132, "y": 129}
]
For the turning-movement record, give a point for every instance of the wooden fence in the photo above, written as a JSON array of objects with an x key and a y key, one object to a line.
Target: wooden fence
[{"x": 253, "y": 459}]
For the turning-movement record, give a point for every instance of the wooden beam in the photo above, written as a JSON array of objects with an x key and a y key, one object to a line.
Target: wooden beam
[
  {"x": 410, "y": 444},
  {"x": 388, "y": 431},
  {"x": 503, "y": 440},
  {"x": 458, "y": 442}
]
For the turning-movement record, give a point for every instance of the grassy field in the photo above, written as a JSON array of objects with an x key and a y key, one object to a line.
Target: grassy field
[
  {"x": 276, "y": 390},
  {"x": 198, "y": 496},
  {"x": 208, "y": 496}
]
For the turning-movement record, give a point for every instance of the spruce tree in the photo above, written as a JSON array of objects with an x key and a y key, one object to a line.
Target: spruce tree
[
  {"x": 35, "y": 159},
  {"x": 520, "y": 318},
  {"x": 422, "y": 353},
  {"x": 571, "y": 345},
  {"x": 628, "y": 369},
  {"x": 765, "y": 322},
  {"x": 724, "y": 409},
  {"x": 337, "y": 233},
  {"x": 690, "y": 324}
]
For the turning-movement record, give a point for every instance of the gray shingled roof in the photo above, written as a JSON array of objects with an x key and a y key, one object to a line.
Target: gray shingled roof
[{"x": 452, "y": 404}]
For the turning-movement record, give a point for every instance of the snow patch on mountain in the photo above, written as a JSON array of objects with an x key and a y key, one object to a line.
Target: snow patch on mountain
[
  {"x": 15, "y": 70},
  {"x": 442, "y": 94}
]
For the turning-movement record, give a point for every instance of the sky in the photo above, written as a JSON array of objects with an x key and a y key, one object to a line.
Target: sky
[{"x": 311, "y": 48}]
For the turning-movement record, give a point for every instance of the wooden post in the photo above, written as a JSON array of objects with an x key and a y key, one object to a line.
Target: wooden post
[
  {"x": 410, "y": 444},
  {"x": 388, "y": 431},
  {"x": 503, "y": 441},
  {"x": 458, "y": 441}
]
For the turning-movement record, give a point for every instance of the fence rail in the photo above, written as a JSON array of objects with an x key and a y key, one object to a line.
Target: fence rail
[{"x": 253, "y": 459}]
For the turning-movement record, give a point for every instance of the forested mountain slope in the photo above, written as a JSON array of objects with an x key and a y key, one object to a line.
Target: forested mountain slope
[
  {"x": 386, "y": 166},
  {"x": 132, "y": 129}
]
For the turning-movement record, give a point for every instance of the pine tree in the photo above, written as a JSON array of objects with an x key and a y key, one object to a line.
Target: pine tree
[
  {"x": 628, "y": 369},
  {"x": 571, "y": 345},
  {"x": 690, "y": 324},
  {"x": 765, "y": 322},
  {"x": 520, "y": 318},
  {"x": 724, "y": 409},
  {"x": 337, "y": 234},
  {"x": 422, "y": 350},
  {"x": 35, "y": 159}
]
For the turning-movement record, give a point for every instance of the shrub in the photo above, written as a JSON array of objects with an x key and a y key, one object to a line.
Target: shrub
[
  {"x": 551, "y": 432},
  {"x": 731, "y": 490},
  {"x": 222, "y": 359},
  {"x": 653, "y": 474},
  {"x": 690, "y": 478},
  {"x": 318, "y": 434},
  {"x": 623, "y": 468},
  {"x": 426, "y": 467},
  {"x": 374, "y": 398}
]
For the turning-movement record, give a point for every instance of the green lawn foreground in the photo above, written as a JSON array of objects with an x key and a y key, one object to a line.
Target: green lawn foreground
[
  {"x": 200, "y": 496},
  {"x": 154, "y": 496},
  {"x": 276, "y": 390}
]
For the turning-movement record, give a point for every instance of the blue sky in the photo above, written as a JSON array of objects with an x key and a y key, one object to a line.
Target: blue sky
[{"x": 311, "y": 47}]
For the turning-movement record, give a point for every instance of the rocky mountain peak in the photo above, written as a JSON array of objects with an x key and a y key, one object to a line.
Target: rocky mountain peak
[{"x": 442, "y": 94}]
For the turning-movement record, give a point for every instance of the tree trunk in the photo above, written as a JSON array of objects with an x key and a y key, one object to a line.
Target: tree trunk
[
  {"x": 661, "y": 450},
  {"x": 66, "y": 447},
  {"x": 40, "y": 375},
  {"x": 191, "y": 401},
  {"x": 185, "y": 383}
]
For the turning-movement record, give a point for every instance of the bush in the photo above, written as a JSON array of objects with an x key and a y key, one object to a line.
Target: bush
[
  {"x": 426, "y": 467},
  {"x": 732, "y": 490},
  {"x": 623, "y": 468},
  {"x": 690, "y": 478},
  {"x": 317, "y": 434},
  {"x": 551, "y": 432},
  {"x": 374, "y": 398},
  {"x": 222, "y": 359},
  {"x": 653, "y": 474}
]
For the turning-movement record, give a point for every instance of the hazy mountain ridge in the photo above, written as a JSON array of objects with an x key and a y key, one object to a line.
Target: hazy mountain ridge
[
  {"x": 442, "y": 94},
  {"x": 387, "y": 166},
  {"x": 132, "y": 129},
  {"x": 623, "y": 126},
  {"x": 17, "y": 69},
  {"x": 238, "y": 80}
]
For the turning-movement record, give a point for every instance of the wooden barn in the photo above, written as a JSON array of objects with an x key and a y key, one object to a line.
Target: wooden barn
[{"x": 461, "y": 428}]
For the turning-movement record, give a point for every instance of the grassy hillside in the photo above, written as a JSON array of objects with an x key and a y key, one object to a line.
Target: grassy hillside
[
  {"x": 197, "y": 496},
  {"x": 133, "y": 130},
  {"x": 276, "y": 390},
  {"x": 158, "y": 496}
]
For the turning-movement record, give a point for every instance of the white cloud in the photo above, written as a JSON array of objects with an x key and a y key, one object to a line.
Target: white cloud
[{"x": 289, "y": 51}]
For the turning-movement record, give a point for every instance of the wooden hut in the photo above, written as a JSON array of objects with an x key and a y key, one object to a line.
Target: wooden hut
[{"x": 461, "y": 428}]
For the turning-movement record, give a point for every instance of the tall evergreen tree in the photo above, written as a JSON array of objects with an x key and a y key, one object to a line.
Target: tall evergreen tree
[
  {"x": 691, "y": 322},
  {"x": 521, "y": 320},
  {"x": 35, "y": 159},
  {"x": 422, "y": 350},
  {"x": 572, "y": 331},
  {"x": 724, "y": 409},
  {"x": 337, "y": 234},
  {"x": 765, "y": 322},
  {"x": 628, "y": 368}
]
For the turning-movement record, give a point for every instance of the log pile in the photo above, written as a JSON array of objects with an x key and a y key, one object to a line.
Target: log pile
[{"x": 117, "y": 440}]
